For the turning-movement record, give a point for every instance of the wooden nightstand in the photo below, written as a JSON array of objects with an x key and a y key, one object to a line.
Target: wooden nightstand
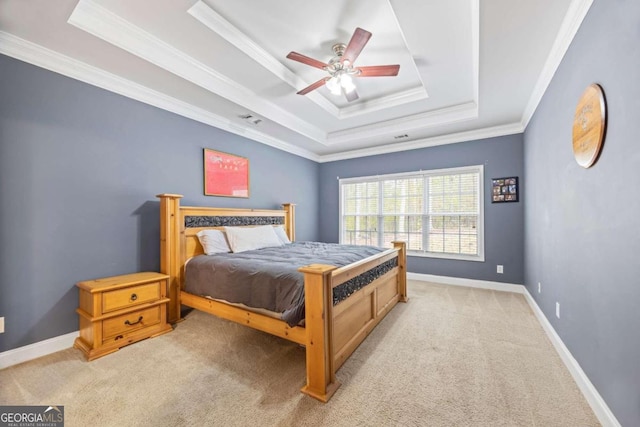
[{"x": 120, "y": 310}]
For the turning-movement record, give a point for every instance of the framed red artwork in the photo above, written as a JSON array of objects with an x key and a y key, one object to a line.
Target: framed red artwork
[{"x": 225, "y": 174}]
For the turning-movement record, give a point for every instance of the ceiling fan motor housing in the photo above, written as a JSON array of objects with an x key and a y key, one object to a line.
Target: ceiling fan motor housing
[
  {"x": 336, "y": 66},
  {"x": 339, "y": 48}
]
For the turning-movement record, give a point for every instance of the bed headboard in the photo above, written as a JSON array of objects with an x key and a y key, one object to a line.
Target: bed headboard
[{"x": 179, "y": 242}]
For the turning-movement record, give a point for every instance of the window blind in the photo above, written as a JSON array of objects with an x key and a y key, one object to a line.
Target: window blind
[{"x": 437, "y": 213}]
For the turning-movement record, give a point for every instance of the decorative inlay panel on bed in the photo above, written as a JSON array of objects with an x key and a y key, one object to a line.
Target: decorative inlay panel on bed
[
  {"x": 230, "y": 221},
  {"x": 344, "y": 290}
]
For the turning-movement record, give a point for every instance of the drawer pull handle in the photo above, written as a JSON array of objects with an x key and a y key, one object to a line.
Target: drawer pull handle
[
  {"x": 134, "y": 297},
  {"x": 119, "y": 337},
  {"x": 126, "y": 322}
]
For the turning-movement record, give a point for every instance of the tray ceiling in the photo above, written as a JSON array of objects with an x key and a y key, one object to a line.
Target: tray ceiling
[{"x": 468, "y": 69}]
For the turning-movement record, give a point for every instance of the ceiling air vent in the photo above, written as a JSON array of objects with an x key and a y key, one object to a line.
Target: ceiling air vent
[{"x": 251, "y": 119}]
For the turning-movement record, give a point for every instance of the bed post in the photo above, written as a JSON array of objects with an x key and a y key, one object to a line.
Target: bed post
[
  {"x": 290, "y": 220},
  {"x": 402, "y": 266},
  {"x": 321, "y": 375},
  {"x": 169, "y": 253}
]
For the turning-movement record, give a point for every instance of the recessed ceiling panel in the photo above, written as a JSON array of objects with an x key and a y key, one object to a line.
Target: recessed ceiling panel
[{"x": 313, "y": 31}]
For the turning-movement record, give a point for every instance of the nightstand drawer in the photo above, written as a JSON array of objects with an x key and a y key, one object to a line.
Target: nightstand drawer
[
  {"x": 123, "y": 339},
  {"x": 134, "y": 295},
  {"x": 126, "y": 323}
]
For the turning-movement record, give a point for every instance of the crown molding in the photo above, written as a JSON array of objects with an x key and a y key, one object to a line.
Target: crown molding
[
  {"x": 225, "y": 29},
  {"x": 456, "y": 113},
  {"x": 393, "y": 100},
  {"x": 102, "y": 23},
  {"x": 42, "y": 57},
  {"x": 472, "y": 135},
  {"x": 570, "y": 24}
]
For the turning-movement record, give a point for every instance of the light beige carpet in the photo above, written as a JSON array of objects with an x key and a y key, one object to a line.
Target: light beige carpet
[{"x": 451, "y": 356}]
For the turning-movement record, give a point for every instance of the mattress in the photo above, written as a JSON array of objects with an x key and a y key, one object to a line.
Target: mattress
[{"x": 267, "y": 278}]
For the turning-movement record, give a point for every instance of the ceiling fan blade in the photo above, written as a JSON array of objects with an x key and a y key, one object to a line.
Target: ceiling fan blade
[
  {"x": 313, "y": 86},
  {"x": 306, "y": 60},
  {"x": 378, "y": 71},
  {"x": 351, "y": 96},
  {"x": 356, "y": 44}
]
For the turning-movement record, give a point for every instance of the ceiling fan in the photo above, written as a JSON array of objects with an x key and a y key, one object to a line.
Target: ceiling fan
[{"x": 341, "y": 68}]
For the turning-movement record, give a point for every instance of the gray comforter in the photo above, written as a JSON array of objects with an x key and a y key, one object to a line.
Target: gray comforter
[{"x": 267, "y": 278}]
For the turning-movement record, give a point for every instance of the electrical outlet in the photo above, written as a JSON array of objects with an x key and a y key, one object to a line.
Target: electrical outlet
[
  {"x": 539, "y": 287},
  {"x": 1, "y": 325},
  {"x": 558, "y": 310},
  {"x": 500, "y": 269}
]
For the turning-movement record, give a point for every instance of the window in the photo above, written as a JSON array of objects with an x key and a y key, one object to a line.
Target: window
[{"x": 438, "y": 213}]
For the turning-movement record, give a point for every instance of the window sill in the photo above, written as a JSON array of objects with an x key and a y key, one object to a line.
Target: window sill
[{"x": 455, "y": 257}]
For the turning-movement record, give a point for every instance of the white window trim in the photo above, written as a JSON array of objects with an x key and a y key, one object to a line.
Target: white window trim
[{"x": 447, "y": 171}]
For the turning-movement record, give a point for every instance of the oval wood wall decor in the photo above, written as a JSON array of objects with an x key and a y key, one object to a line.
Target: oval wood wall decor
[{"x": 589, "y": 125}]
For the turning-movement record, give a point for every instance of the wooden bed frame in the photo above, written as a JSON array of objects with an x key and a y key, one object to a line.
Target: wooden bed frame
[{"x": 330, "y": 333}]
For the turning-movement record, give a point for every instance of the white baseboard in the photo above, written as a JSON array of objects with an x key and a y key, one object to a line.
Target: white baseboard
[
  {"x": 35, "y": 350},
  {"x": 469, "y": 283},
  {"x": 597, "y": 403}
]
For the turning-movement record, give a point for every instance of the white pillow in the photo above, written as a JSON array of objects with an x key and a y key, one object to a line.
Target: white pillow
[
  {"x": 243, "y": 239},
  {"x": 213, "y": 242},
  {"x": 282, "y": 235}
]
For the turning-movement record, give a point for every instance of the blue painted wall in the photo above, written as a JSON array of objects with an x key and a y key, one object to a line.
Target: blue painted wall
[
  {"x": 79, "y": 168},
  {"x": 501, "y": 157},
  {"x": 582, "y": 226},
  {"x": 79, "y": 171}
]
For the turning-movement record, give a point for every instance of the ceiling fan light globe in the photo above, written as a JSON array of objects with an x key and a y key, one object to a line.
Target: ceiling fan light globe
[
  {"x": 349, "y": 87},
  {"x": 337, "y": 91},
  {"x": 346, "y": 80},
  {"x": 333, "y": 84},
  {"x": 347, "y": 83}
]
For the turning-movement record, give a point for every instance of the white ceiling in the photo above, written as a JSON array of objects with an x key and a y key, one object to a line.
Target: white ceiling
[{"x": 469, "y": 69}]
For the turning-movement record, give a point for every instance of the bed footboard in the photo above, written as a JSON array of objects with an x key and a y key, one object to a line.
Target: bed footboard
[{"x": 336, "y": 327}]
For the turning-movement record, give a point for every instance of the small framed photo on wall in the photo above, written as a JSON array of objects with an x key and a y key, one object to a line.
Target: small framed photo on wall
[{"x": 504, "y": 190}]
